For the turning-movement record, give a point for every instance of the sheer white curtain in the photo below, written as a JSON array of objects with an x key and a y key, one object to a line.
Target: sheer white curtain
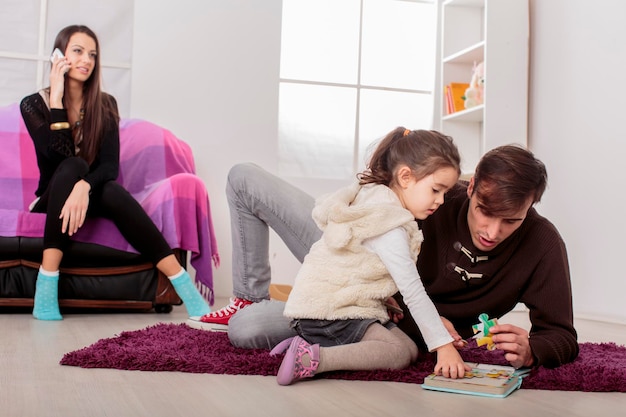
[{"x": 27, "y": 32}]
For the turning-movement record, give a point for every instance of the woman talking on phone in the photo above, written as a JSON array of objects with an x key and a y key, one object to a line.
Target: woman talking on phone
[{"x": 75, "y": 130}]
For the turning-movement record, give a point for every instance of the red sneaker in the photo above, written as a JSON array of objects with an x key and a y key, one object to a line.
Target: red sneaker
[{"x": 218, "y": 320}]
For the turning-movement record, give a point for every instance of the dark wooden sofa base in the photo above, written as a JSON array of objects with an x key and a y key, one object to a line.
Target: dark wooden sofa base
[{"x": 159, "y": 295}]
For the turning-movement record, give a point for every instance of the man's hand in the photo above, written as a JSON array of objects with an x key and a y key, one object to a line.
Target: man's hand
[
  {"x": 74, "y": 210},
  {"x": 514, "y": 342},
  {"x": 458, "y": 342},
  {"x": 394, "y": 310}
]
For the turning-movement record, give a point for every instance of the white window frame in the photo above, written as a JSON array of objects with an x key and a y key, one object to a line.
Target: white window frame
[{"x": 358, "y": 86}]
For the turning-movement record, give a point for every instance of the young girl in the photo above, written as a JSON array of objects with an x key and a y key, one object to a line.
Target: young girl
[
  {"x": 368, "y": 252},
  {"x": 75, "y": 129}
]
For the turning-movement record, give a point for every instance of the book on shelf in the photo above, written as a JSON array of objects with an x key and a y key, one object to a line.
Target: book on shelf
[
  {"x": 483, "y": 380},
  {"x": 448, "y": 98},
  {"x": 455, "y": 93}
]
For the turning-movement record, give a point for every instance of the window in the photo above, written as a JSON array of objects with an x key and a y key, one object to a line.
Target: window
[
  {"x": 27, "y": 32},
  {"x": 351, "y": 71}
]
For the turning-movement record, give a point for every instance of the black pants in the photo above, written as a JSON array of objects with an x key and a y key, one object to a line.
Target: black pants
[{"x": 110, "y": 201}]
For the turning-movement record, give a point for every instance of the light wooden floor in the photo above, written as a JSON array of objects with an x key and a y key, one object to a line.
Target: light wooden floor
[{"x": 33, "y": 384}]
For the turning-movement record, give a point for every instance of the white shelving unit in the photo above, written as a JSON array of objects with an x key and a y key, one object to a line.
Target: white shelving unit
[{"x": 495, "y": 32}]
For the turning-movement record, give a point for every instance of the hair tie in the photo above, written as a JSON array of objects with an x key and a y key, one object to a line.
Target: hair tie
[{"x": 406, "y": 132}]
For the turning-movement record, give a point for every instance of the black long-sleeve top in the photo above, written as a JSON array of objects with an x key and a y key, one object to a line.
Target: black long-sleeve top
[{"x": 53, "y": 146}]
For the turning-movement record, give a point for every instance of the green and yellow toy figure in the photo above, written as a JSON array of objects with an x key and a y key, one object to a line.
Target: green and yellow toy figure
[{"x": 481, "y": 331}]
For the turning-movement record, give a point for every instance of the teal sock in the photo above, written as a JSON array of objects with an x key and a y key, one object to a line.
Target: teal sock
[
  {"x": 47, "y": 297},
  {"x": 195, "y": 304}
]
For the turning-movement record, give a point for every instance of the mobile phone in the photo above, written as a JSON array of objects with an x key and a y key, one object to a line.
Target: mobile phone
[
  {"x": 56, "y": 54},
  {"x": 393, "y": 308}
]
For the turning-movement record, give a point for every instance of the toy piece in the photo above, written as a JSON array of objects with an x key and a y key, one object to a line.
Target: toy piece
[
  {"x": 498, "y": 374},
  {"x": 492, "y": 373},
  {"x": 474, "y": 373},
  {"x": 481, "y": 331}
]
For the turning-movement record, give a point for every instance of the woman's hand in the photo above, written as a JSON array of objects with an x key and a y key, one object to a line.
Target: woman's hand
[
  {"x": 60, "y": 67},
  {"x": 449, "y": 362},
  {"x": 514, "y": 342},
  {"x": 74, "y": 210}
]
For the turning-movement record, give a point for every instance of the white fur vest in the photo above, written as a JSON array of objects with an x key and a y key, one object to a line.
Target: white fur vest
[{"x": 340, "y": 278}]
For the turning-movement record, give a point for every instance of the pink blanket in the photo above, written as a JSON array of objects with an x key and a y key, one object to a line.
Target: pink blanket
[{"x": 156, "y": 167}]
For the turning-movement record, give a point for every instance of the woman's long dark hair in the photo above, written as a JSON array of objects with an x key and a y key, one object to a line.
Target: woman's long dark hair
[{"x": 99, "y": 108}]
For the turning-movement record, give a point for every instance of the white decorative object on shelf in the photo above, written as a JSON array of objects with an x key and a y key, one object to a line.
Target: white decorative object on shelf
[{"x": 474, "y": 93}]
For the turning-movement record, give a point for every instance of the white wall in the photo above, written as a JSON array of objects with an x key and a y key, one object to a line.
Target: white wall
[
  {"x": 577, "y": 115},
  {"x": 208, "y": 71},
  {"x": 216, "y": 86}
]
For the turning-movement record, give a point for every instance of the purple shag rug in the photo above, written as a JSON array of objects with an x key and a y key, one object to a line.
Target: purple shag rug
[{"x": 600, "y": 367}]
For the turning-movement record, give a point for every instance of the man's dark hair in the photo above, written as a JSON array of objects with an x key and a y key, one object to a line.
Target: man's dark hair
[{"x": 506, "y": 177}]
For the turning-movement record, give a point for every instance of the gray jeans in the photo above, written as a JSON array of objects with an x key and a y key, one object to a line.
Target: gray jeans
[
  {"x": 260, "y": 326},
  {"x": 259, "y": 200}
]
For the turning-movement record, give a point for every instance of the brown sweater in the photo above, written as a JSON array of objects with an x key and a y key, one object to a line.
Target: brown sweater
[{"x": 530, "y": 267}]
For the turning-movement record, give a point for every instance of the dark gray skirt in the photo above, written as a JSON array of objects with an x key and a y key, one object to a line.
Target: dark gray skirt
[{"x": 334, "y": 332}]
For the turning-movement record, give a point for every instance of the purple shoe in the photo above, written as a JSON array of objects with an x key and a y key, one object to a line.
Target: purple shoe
[{"x": 292, "y": 369}]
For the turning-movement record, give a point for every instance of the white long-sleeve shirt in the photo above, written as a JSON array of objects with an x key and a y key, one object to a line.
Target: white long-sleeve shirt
[{"x": 393, "y": 250}]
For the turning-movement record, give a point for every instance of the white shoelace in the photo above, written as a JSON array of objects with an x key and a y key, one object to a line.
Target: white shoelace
[{"x": 229, "y": 309}]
